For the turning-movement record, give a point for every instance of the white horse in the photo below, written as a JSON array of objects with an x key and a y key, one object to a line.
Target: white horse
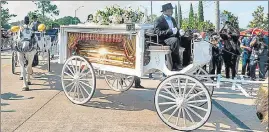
[{"x": 26, "y": 47}]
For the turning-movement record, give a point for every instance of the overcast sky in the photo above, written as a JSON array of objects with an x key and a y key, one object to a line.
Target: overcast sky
[{"x": 243, "y": 9}]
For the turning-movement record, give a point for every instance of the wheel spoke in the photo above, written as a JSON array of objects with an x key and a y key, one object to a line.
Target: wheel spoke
[
  {"x": 189, "y": 115},
  {"x": 191, "y": 90},
  {"x": 197, "y": 101},
  {"x": 184, "y": 118},
  {"x": 194, "y": 113},
  {"x": 169, "y": 92},
  {"x": 173, "y": 87},
  {"x": 168, "y": 109},
  {"x": 167, "y": 103},
  {"x": 81, "y": 91},
  {"x": 76, "y": 65},
  {"x": 178, "y": 115},
  {"x": 179, "y": 86},
  {"x": 70, "y": 70},
  {"x": 84, "y": 89},
  {"x": 71, "y": 89},
  {"x": 80, "y": 62},
  {"x": 186, "y": 84},
  {"x": 68, "y": 74},
  {"x": 75, "y": 92},
  {"x": 85, "y": 84},
  {"x": 199, "y": 108},
  {"x": 70, "y": 84},
  {"x": 174, "y": 112},
  {"x": 68, "y": 79},
  {"x": 78, "y": 92},
  {"x": 195, "y": 95},
  {"x": 72, "y": 65},
  {"x": 166, "y": 97}
]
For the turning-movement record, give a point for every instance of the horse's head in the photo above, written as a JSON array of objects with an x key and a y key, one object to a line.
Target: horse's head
[{"x": 25, "y": 39}]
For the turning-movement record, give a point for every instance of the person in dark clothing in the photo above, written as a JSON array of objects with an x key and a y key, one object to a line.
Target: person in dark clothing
[
  {"x": 35, "y": 23},
  {"x": 258, "y": 56},
  {"x": 165, "y": 27},
  {"x": 216, "y": 62},
  {"x": 230, "y": 52},
  {"x": 137, "y": 82},
  {"x": 246, "y": 54}
]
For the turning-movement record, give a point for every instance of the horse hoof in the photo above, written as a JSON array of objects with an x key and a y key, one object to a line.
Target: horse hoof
[
  {"x": 29, "y": 83},
  {"x": 25, "y": 89},
  {"x": 21, "y": 78}
]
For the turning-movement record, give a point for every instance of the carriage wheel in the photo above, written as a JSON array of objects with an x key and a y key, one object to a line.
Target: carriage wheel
[
  {"x": 78, "y": 80},
  {"x": 14, "y": 62},
  {"x": 119, "y": 82},
  {"x": 178, "y": 107},
  {"x": 48, "y": 61}
]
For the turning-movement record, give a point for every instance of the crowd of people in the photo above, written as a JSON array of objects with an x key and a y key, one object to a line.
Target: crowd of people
[{"x": 254, "y": 53}]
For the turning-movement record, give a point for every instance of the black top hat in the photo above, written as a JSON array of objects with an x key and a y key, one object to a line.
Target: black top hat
[
  {"x": 26, "y": 20},
  {"x": 167, "y": 7}
]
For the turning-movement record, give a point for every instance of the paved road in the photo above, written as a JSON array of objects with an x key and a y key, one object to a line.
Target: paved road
[{"x": 45, "y": 108}]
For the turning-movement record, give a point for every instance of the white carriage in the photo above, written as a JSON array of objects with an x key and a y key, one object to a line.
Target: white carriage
[{"x": 182, "y": 100}]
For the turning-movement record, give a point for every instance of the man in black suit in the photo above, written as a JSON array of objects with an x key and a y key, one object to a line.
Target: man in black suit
[{"x": 165, "y": 27}]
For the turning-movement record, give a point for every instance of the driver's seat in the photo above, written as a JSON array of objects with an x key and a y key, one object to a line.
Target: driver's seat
[{"x": 157, "y": 46}]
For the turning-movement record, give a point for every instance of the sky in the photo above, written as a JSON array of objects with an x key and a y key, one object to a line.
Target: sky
[{"x": 242, "y": 9}]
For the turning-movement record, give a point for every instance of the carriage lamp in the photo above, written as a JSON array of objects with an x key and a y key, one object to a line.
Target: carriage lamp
[{"x": 102, "y": 51}]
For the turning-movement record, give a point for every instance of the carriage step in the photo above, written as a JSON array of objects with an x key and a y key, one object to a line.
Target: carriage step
[{"x": 165, "y": 48}]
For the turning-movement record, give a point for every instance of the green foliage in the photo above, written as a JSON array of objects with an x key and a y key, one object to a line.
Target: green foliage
[
  {"x": 5, "y": 15},
  {"x": 260, "y": 20},
  {"x": 232, "y": 18},
  {"x": 191, "y": 17},
  {"x": 153, "y": 17},
  {"x": 201, "y": 11},
  {"x": 185, "y": 23},
  {"x": 67, "y": 20},
  {"x": 46, "y": 8}
]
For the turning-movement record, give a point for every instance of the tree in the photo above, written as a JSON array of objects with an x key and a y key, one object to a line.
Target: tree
[
  {"x": 196, "y": 22},
  {"x": 185, "y": 24},
  {"x": 46, "y": 8},
  {"x": 260, "y": 20},
  {"x": 153, "y": 17},
  {"x": 232, "y": 18},
  {"x": 180, "y": 16},
  {"x": 201, "y": 11},
  {"x": 67, "y": 20},
  {"x": 5, "y": 15},
  {"x": 191, "y": 15}
]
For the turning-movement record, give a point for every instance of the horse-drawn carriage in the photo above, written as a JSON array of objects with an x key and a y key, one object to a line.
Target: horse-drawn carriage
[{"x": 182, "y": 100}]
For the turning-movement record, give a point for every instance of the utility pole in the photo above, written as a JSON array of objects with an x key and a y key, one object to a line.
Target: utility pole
[
  {"x": 151, "y": 11},
  {"x": 178, "y": 16},
  {"x": 217, "y": 16},
  {"x": 76, "y": 14}
]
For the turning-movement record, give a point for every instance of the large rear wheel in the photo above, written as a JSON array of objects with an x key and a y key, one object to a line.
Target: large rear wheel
[
  {"x": 178, "y": 106},
  {"x": 78, "y": 80}
]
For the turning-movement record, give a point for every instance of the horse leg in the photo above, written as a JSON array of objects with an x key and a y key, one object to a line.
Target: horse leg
[
  {"x": 21, "y": 76},
  {"x": 23, "y": 71},
  {"x": 30, "y": 59}
]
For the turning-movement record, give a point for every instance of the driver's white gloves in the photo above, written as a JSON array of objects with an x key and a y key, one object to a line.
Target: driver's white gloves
[{"x": 174, "y": 30}]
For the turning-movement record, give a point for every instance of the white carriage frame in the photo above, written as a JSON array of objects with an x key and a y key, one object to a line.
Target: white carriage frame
[{"x": 157, "y": 62}]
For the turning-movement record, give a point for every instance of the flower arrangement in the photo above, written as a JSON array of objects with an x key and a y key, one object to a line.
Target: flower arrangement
[{"x": 117, "y": 15}]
